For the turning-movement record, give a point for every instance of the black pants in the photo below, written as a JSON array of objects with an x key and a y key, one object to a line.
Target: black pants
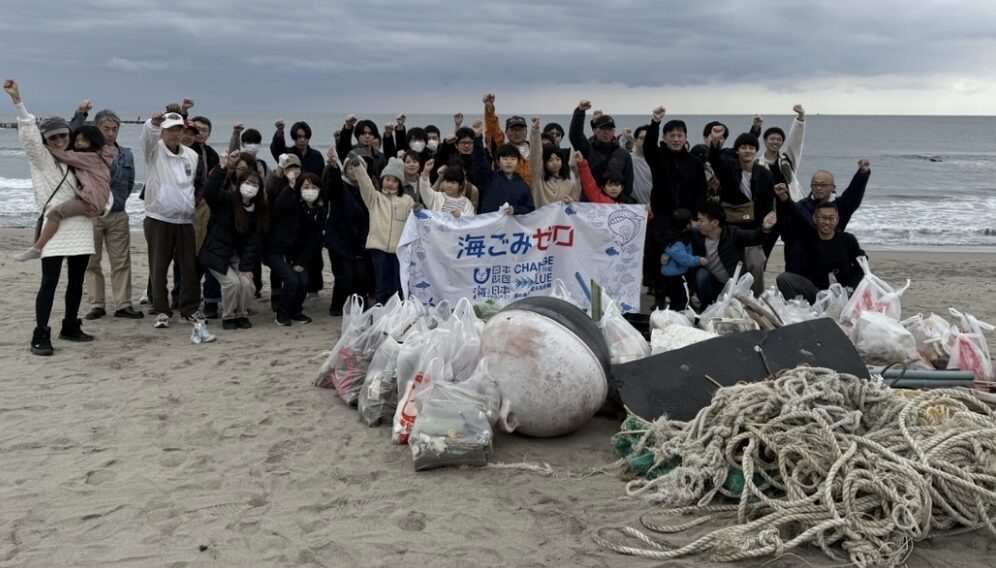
[
  {"x": 387, "y": 276},
  {"x": 315, "y": 280},
  {"x": 51, "y": 268},
  {"x": 351, "y": 276},
  {"x": 674, "y": 289},
  {"x": 794, "y": 285},
  {"x": 294, "y": 285}
]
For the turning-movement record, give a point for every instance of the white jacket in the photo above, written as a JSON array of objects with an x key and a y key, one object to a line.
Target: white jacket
[
  {"x": 75, "y": 234},
  {"x": 790, "y": 157},
  {"x": 169, "y": 182},
  {"x": 434, "y": 200}
]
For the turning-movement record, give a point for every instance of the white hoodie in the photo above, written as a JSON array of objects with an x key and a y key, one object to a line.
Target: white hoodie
[{"x": 169, "y": 182}]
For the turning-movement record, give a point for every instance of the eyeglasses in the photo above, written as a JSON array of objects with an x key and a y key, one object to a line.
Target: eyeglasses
[
  {"x": 826, "y": 219},
  {"x": 465, "y": 142}
]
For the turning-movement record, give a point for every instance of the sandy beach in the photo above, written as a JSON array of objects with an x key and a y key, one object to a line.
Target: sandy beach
[{"x": 143, "y": 449}]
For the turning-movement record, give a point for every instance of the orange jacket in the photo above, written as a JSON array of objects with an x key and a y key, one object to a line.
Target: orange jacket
[{"x": 494, "y": 136}]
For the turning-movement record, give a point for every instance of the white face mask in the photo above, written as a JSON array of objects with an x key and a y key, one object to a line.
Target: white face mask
[
  {"x": 417, "y": 146},
  {"x": 524, "y": 150},
  {"x": 250, "y": 149},
  {"x": 309, "y": 195},
  {"x": 432, "y": 145},
  {"x": 248, "y": 191}
]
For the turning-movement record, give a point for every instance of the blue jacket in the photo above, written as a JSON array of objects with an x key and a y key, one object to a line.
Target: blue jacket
[
  {"x": 495, "y": 188},
  {"x": 680, "y": 259}
]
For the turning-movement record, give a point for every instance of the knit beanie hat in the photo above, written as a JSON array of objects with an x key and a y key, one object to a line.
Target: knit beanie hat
[
  {"x": 746, "y": 139},
  {"x": 53, "y": 125},
  {"x": 395, "y": 167}
]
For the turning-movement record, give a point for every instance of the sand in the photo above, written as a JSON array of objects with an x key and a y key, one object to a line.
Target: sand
[{"x": 142, "y": 449}]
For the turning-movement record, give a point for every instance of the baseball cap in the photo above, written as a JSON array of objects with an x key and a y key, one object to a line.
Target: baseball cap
[
  {"x": 604, "y": 121},
  {"x": 171, "y": 119},
  {"x": 514, "y": 121}
]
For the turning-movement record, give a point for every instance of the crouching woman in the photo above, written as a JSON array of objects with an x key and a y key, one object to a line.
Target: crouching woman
[{"x": 234, "y": 237}]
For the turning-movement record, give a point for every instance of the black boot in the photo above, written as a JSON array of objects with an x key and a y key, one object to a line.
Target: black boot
[
  {"x": 41, "y": 341},
  {"x": 71, "y": 331}
]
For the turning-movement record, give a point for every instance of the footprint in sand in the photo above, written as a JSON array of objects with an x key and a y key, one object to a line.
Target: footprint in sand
[
  {"x": 411, "y": 521},
  {"x": 98, "y": 476}
]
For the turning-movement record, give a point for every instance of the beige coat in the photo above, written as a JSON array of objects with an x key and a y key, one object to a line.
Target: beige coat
[
  {"x": 388, "y": 214},
  {"x": 547, "y": 191}
]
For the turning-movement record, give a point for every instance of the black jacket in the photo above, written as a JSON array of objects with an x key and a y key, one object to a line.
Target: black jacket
[
  {"x": 312, "y": 160},
  {"x": 349, "y": 220},
  {"x": 222, "y": 241},
  {"x": 207, "y": 159},
  {"x": 601, "y": 156},
  {"x": 732, "y": 243},
  {"x": 819, "y": 258},
  {"x": 679, "y": 183},
  {"x": 345, "y": 145},
  {"x": 847, "y": 205},
  {"x": 295, "y": 228}
]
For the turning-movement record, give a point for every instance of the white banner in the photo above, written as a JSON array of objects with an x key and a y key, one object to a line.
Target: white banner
[{"x": 505, "y": 258}]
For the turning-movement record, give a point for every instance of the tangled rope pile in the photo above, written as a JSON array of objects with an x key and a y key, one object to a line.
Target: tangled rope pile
[{"x": 820, "y": 458}]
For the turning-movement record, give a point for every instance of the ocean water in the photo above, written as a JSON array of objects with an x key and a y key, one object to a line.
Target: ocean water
[{"x": 933, "y": 183}]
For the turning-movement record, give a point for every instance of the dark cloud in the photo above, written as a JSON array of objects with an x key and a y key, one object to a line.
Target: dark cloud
[{"x": 249, "y": 55}]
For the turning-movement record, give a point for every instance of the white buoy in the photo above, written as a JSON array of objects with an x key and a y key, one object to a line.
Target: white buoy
[{"x": 550, "y": 379}]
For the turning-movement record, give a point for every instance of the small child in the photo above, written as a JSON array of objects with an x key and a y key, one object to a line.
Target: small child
[
  {"x": 678, "y": 259},
  {"x": 388, "y": 209},
  {"x": 91, "y": 161},
  {"x": 451, "y": 199},
  {"x": 614, "y": 184}
]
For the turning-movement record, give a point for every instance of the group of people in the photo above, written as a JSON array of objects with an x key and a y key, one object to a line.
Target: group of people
[{"x": 218, "y": 218}]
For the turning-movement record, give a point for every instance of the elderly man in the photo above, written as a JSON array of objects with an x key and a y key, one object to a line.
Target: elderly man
[
  {"x": 169, "y": 215},
  {"x": 602, "y": 150},
  {"x": 111, "y": 231}
]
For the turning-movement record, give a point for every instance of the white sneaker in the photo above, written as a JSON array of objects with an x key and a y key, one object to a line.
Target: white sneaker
[
  {"x": 161, "y": 322},
  {"x": 144, "y": 301},
  {"x": 200, "y": 333}
]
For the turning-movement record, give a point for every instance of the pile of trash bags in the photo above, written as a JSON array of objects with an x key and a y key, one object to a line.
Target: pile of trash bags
[
  {"x": 871, "y": 316},
  {"x": 417, "y": 369}
]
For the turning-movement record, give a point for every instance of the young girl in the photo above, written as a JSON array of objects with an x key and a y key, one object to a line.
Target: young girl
[
  {"x": 389, "y": 209},
  {"x": 413, "y": 163},
  {"x": 611, "y": 193},
  {"x": 546, "y": 166},
  {"x": 234, "y": 237},
  {"x": 91, "y": 159},
  {"x": 294, "y": 239},
  {"x": 451, "y": 199},
  {"x": 677, "y": 260}
]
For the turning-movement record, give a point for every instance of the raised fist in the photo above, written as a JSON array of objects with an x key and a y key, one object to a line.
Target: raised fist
[
  {"x": 279, "y": 125},
  {"x": 658, "y": 113},
  {"x": 584, "y": 105},
  {"x": 84, "y": 107}
]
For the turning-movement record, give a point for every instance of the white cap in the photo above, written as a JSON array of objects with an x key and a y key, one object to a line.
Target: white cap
[{"x": 171, "y": 119}]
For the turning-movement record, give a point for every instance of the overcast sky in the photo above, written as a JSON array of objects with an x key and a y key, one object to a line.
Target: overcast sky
[{"x": 428, "y": 56}]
